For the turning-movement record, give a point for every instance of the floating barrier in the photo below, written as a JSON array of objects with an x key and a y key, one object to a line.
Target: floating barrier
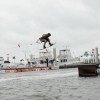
[
  {"x": 88, "y": 70},
  {"x": 16, "y": 70}
]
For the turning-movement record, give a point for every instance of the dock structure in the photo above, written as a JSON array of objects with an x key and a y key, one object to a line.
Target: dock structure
[{"x": 88, "y": 70}]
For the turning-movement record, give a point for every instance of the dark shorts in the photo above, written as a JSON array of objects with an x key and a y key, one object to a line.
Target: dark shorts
[{"x": 43, "y": 40}]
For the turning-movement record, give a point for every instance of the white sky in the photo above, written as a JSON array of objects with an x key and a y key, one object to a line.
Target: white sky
[{"x": 73, "y": 23}]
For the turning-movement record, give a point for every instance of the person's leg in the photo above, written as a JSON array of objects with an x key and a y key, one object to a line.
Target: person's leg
[
  {"x": 49, "y": 42},
  {"x": 45, "y": 41},
  {"x": 44, "y": 44}
]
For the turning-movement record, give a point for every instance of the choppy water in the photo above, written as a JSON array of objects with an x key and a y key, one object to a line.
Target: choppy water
[{"x": 60, "y": 84}]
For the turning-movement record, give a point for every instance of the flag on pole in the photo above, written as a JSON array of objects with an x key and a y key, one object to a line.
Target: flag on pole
[
  {"x": 46, "y": 50},
  {"x": 14, "y": 57},
  {"x": 18, "y": 45}
]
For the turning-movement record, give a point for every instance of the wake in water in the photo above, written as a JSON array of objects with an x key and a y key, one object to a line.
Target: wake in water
[{"x": 41, "y": 75}]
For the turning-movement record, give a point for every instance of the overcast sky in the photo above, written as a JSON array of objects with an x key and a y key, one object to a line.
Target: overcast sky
[{"x": 72, "y": 23}]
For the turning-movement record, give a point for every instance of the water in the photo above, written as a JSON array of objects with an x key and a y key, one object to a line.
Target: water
[{"x": 63, "y": 84}]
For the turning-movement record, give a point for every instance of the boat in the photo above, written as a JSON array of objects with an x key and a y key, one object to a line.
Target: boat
[
  {"x": 45, "y": 61},
  {"x": 66, "y": 60}
]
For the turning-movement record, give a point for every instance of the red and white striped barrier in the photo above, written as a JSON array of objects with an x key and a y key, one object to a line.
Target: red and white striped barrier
[{"x": 16, "y": 70}]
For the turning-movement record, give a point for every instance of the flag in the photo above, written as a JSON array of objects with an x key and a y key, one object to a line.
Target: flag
[
  {"x": 46, "y": 50},
  {"x": 14, "y": 57},
  {"x": 18, "y": 45}
]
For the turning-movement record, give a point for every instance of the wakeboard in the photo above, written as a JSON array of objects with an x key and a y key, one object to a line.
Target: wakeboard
[{"x": 48, "y": 46}]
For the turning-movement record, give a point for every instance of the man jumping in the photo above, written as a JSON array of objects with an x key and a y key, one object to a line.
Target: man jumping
[{"x": 45, "y": 39}]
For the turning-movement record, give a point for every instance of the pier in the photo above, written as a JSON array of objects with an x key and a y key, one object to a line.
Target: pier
[{"x": 88, "y": 69}]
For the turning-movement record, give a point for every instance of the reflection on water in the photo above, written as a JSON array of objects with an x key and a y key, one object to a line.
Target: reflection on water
[{"x": 62, "y": 84}]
